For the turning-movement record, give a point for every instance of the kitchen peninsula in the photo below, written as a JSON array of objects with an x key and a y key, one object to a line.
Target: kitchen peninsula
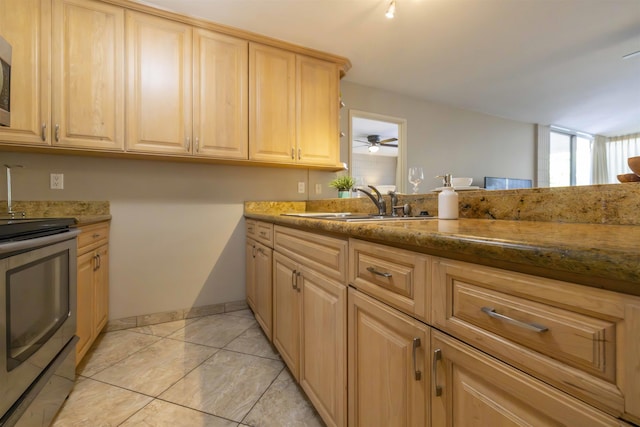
[{"x": 508, "y": 307}]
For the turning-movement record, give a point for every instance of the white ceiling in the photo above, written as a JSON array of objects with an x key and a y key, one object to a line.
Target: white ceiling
[{"x": 538, "y": 61}]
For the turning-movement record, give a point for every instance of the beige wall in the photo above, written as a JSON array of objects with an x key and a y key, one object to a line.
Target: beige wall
[
  {"x": 443, "y": 139},
  {"x": 177, "y": 236}
]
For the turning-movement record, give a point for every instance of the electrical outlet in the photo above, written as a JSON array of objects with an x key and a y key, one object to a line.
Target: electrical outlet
[
  {"x": 318, "y": 188},
  {"x": 301, "y": 187},
  {"x": 57, "y": 181}
]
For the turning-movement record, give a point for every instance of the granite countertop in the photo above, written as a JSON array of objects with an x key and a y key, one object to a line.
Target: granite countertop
[{"x": 598, "y": 255}]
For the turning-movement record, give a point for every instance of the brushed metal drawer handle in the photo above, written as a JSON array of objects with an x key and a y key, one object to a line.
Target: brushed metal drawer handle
[
  {"x": 437, "y": 356},
  {"x": 95, "y": 235},
  {"x": 379, "y": 273},
  {"x": 417, "y": 373},
  {"x": 530, "y": 326}
]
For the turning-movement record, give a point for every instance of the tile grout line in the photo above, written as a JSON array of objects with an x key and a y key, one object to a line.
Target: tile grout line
[{"x": 263, "y": 393}]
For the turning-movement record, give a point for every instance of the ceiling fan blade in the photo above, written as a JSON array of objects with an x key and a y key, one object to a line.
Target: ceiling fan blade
[{"x": 386, "y": 141}]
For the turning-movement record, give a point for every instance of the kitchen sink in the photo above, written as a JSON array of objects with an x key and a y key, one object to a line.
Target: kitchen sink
[{"x": 356, "y": 217}]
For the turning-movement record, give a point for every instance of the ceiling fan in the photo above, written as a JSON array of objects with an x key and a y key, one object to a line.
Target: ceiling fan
[{"x": 374, "y": 142}]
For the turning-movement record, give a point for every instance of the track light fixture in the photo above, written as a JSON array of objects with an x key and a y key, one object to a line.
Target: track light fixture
[{"x": 391, "y": 10}]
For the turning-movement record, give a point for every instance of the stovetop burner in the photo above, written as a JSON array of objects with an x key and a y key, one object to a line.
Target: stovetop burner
[{"x": 28, "y": 228}]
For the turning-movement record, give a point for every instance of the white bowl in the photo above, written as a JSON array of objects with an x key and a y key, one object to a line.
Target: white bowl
[{"x": 461, "y": 182}]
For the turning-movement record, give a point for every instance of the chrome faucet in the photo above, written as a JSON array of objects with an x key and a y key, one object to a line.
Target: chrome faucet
[
  {"x": 406, "y": 209},
  {"x": 377, "y": 200},
  {"x": 12, "y": 214}
]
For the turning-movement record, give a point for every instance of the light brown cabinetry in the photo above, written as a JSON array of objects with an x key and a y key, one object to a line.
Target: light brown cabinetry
[
  {"x": 26, "y": 25},
  {"x": 220, "y": 96},
  {"x": 294, "y": 103},
  {"x": 581, "y": 340},
  {"x": 67, "y": 73},
  {"x": 309, "y": 306},
  {"x": 93, "y": 285},
  {"x": 158, "y": 85},
  {"x": 259, "y": 267},
  {"x": 388, "y": 376},
  {"x": 473, "y": 389},
  {"x": 88, "y": 75}
]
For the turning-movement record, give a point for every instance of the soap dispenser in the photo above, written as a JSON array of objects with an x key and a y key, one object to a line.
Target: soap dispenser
[{"x": 447, "y": 200}]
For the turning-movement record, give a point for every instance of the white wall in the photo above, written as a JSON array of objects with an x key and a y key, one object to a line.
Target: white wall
[
  {"x": 177, "y": 236},
  {"x": 443, "y": 139}
]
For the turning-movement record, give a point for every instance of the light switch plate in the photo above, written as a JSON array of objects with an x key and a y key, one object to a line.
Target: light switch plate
[{"x": 301, "y": 187}]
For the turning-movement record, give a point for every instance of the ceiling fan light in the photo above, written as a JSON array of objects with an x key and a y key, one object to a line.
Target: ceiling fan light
[
  {"x": 373, "y": 148},
  {"x": 391, "y": 10}
]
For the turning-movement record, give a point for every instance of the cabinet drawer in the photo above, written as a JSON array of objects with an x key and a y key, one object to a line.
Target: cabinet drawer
[
  {"x": 92, "y": 236},
  {"x": 324, "y": 254},
  {"x": 395, "y": 276},
  {"x": 574, "y": 337},
  {"x": 260, "y": 231}
]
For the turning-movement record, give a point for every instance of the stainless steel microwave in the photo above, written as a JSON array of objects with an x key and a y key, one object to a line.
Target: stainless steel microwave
[{"x": 5, "y": 83}]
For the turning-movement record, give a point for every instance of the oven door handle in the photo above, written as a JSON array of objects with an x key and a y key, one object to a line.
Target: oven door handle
[{"x": 22, "y": 245}]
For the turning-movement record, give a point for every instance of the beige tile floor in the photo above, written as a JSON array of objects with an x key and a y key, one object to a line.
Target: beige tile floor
[{"x": 217, "y": 371}]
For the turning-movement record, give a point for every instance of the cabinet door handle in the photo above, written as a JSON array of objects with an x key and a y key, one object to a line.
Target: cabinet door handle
[
  {"x": 378, "y": 273},
  {"x": 43, "y": 132},
  {"x": 197, "y": 147},
  {"x": 99, "y": 261},
  {"x": 417, "y": 373},
  {"x": 95, "y": 262},
  {"x": 299, "y": 153},
  {"x": 298, "y": 276},
  {"x": 293, "y": 153},
  {"x": 187, "y": 143},
  {"x": 437, "y": 356},
  {"x": 529, "y": 326},
  {"x": 57, "y": 132},
  {"x": 294, "y": 276},
  {"x": 253, "y": 251}
]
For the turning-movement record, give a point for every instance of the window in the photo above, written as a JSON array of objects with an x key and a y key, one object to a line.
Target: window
[{"x": 569, "y": 159}]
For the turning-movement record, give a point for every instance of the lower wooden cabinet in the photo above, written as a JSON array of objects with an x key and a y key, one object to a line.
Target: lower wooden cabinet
[
  {"x": 388, "y": 379},
  {"x": 309, "y": 331},
  {"x": 473, "y": 389},
  {"x": 258, "y": 281},
  {"x": 92, "y": 285}
]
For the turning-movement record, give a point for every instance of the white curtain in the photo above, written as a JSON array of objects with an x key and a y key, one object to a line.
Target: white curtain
[
  {"x": 599, "y": 166},
  {"x": 619, "y": 149}
]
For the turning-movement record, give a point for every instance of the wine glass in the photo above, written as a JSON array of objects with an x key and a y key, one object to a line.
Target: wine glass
[{"x": 416, "y": 176}]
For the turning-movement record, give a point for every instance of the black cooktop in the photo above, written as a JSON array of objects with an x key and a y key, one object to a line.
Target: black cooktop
[{"x": 28, "y": 228}]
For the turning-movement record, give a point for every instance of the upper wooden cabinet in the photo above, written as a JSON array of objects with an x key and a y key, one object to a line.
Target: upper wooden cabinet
[
  {"x": 294, "y": 103},
  {"x": 158, "y": 84},
  {"x": 26, "y": 25},
  {"x": 88, "y": 75},
  {"x": 220, "y": 95},
  {"x": 67, "y": 73},
  {"x": 119, "y": 76}
]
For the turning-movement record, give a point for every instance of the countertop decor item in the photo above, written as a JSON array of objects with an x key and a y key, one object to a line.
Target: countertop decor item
[
  {"x": 634, "y": 164},
  {"x": 628, "y": 177},
  {"x": 343, "y": 184}
]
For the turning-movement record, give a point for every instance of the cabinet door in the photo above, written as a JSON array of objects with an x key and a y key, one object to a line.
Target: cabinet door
[
  {"x": 88, "y": 75},
  {"x": 101, "y": 289},
  {"x": 477, "y": 390},
  {"x": 250, "y": 274},
  {"x": 323, "y": 353},
  {"x": 264, "y": 289},
  {"x": 286, "y": 312},
  {"x": 317, "y": 91},
  {"x": 388, "y": 382},
  {"x": 158, "y": 98},
  {"x": 26, "y": 25},
  {"x": 272, "y": 100},
  {"x": 84, "y": 310},
  {"x": 220, "y": 96}
]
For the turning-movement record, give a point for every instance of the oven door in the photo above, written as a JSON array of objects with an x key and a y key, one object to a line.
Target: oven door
[{"x": 37, "y": 309}]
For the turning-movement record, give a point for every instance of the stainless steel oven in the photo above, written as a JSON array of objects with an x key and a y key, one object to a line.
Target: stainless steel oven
[
  {"x": 5, "y": 83},
  {"x": 37, "y": 320}
]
